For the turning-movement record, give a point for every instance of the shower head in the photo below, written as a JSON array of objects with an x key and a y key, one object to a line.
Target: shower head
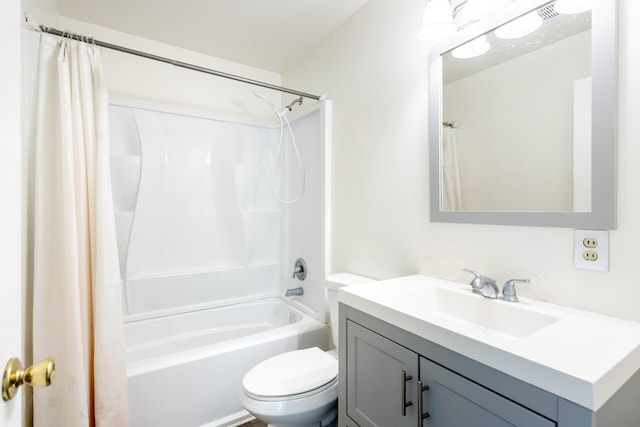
[
  {"x": 260, "y": 95},
  {"x": 265, "y": 99}
]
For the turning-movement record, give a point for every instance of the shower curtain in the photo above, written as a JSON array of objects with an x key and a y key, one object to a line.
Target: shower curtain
[
  {"x": 451, "y": 191},
  {"x": 77, "y": 308}
]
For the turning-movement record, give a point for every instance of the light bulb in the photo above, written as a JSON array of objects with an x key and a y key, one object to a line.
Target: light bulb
[
  {"x": 475, "y": 47},
  {"x": 437, "y": 23}
]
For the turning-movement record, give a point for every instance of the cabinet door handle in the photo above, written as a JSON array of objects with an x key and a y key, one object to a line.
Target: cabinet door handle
[
  {"x": 421, "y": 414},
  {"x": 405, "y": 404}
]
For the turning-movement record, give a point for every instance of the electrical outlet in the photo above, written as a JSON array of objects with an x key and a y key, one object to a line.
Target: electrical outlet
[{"x": 591, "y": 250}]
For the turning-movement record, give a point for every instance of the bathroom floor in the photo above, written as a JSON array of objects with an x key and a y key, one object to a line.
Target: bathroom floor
[{"x": 255, "y": 423}]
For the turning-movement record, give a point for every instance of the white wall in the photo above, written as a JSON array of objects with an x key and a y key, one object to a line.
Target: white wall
[
  {"x": 144, "y": 81},
  {"x": 44, "y": 11},
  {"x": 376, "y": 73}
]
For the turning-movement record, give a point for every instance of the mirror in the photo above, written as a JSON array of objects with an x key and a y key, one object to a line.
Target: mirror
[{"x": 524, "y": 134}]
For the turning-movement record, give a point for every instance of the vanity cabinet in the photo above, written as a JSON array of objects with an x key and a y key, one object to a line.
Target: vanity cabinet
[
  {"x": 385, "y": 382},
  {"x": 402, "y": 358}
]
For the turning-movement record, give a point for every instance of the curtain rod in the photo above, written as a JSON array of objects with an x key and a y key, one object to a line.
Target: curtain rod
[{"x": 180, "y": 64}]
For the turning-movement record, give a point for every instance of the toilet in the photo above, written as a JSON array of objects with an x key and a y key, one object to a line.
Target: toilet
[{"x": 299, "y": 388}]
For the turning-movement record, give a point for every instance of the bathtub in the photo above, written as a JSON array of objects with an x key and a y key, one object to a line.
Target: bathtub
[{"x": 186, "y": 369}]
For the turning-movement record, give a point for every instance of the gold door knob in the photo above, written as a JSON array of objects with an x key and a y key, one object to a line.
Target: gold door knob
[{"x": 40, "y": 374}]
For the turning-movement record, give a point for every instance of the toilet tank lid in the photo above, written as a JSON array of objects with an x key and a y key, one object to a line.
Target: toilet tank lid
[{"x": 339, "y": 280}]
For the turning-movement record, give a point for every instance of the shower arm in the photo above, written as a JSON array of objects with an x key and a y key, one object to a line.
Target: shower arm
[{"x": 297, "y": 100}]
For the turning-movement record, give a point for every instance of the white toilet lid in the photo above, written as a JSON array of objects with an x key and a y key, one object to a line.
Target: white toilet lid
[{"x": 290, "y": 373}]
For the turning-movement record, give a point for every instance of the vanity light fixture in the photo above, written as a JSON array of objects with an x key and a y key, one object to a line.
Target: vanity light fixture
[
  {"x": 474, "y": 10},
  {"x": 570, "y": 7},
  {"x": 475, "y": 47},
  {"x": 520, "y": 27},
  {"x": 442, "y": 20},
  {"x": 437, "y": 23}
]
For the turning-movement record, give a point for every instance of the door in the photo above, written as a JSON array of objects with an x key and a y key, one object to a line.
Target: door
[
  {"x": 381, "y": 380},
  {"x": 11, "y": 299},
  {"x": 452, "y": 400}
]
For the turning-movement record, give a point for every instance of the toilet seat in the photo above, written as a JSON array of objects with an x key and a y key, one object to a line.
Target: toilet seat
[
  {"x": 320, "y": 389},
  {"x": 291, "y": 375}
]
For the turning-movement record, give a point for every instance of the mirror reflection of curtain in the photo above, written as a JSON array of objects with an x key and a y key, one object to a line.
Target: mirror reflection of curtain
[{"x": 451, "y": 192}]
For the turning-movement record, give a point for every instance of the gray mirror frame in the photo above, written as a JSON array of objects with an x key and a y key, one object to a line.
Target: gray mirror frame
[{"x": 604, "y": 124}]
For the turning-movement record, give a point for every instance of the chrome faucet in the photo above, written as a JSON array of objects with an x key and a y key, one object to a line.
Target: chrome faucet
[
  {"x": 483, "y": 285},
  {"x": 294, "y": 292},
  {"x": 487, "y": 287},
  {"x": 509, "y": 290}
]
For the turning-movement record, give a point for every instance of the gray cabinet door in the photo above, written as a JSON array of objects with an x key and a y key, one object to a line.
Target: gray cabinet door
[
  {"x": 376, "y": 373},
  {"x": 453, "y": 401}
]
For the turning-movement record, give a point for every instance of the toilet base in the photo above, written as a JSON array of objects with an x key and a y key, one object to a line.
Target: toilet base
[{"x": 329, "y": 420}]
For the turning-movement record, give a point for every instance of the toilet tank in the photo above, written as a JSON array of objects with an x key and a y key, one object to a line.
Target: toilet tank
[{"x": 335, "y": 282}]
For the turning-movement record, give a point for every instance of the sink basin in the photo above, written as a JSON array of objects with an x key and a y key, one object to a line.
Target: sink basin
[
  {"x": 500, "y": 316},
  {"x": 508, "y": 318}
]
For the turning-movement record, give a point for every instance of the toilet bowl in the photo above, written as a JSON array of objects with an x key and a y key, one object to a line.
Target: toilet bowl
[{"x": 299, "y": 388}]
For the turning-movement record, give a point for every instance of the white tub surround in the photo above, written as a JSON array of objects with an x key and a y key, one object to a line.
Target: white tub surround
[
  {"x": 579, "y": 356},
  {"x": 196, "y": 218}
]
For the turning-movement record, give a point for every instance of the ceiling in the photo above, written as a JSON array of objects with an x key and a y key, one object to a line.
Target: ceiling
[{"x": 268, "y": 34}]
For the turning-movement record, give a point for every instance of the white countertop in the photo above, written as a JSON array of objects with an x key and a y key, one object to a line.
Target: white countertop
[{"x": 581, "y": 356}]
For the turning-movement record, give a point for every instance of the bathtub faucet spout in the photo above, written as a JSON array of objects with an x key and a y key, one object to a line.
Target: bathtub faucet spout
[{"x": 294, "y": 292}]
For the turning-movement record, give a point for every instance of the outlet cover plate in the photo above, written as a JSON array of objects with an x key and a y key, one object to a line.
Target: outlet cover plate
[{"x": 582, "y": 247}]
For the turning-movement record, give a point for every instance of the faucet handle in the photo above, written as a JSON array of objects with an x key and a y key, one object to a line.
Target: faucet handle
[
  {"x": 475, "y": 273},
  {"x": 509, "y": 289},
  {"x": 477, "y": 282},
  {"x": 299, "y": 269}
]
